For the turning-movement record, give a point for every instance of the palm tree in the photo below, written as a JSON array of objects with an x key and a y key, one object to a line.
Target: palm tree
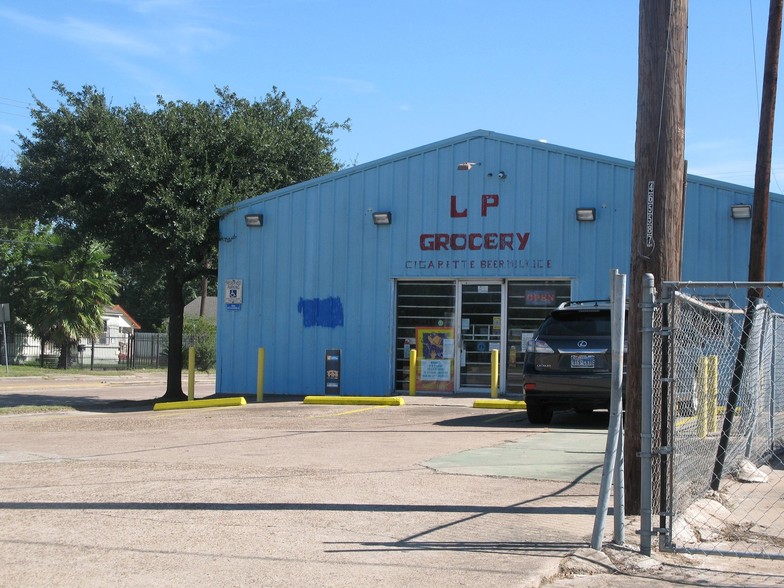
[{"x": 69, "y": 290}]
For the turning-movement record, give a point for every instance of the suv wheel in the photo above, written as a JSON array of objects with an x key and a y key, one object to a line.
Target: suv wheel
[{"x": 539, "y": 414}]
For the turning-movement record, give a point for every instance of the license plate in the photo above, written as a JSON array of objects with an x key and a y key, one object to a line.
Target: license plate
[{"x": 583, "y": 361}]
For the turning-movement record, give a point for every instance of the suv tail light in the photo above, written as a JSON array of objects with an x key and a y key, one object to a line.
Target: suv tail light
[{"x": 537, "y": 346}]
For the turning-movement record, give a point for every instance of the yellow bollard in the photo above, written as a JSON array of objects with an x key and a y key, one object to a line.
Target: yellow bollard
[
  {"x": 713, "y": 393},
  {"x": 191, "y": 371},
  {"x": 703, "y": 409},
  {"x": 494, "y": 355},
  {"x": 260, "y": 376},
  {"x": 412, "y": 373}
]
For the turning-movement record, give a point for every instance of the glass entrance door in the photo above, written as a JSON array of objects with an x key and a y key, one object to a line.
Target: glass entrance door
[{"x": 480, "y": 326}]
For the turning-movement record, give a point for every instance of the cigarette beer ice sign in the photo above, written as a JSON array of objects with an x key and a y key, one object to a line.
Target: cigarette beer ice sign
[{"x": 512, "y": 241}]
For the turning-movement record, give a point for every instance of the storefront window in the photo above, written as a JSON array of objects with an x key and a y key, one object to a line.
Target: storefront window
[
  {"x": 425, "y": 320},
  {"x": 454, "y": 345}
]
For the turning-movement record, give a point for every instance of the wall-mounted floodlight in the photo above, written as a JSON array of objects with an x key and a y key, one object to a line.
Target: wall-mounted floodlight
[
  {"x": 382, "y": 218},
  {"x": 586, "y": 214},
  {"x": 254, "y": 220},
  {"x": 740, "y": 211},
  {"x": 467, "y": 165}
]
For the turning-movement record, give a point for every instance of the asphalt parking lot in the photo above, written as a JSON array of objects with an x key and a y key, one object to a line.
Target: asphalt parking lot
[{"x": 284, "y": 493}]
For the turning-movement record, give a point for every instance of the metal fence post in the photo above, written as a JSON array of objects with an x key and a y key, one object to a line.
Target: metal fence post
[
  {"x": 615, "y": 427},
  {"x": 646, "y": 420},
  {"x": 698, "y": 332},
  {"x": 773, "y": 386}
]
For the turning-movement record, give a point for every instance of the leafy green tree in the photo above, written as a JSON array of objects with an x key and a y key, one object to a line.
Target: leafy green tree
[
  {"x": 20, "y": 237},
  {"x": 200, "y": 333},
  {"x": 150, "y": 184},
  {"x": 16, "y": 244},
  {"x": 69, "y": 289}
]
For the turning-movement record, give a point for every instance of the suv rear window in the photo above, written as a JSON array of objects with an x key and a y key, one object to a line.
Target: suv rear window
[{"x": 576, "y": 324}]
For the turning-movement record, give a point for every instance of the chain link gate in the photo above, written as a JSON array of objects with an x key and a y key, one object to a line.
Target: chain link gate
[{"x": 716, "y": 418}]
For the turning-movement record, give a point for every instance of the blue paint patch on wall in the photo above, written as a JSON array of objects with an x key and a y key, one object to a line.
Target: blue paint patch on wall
[{"x": 321, "y": 312}]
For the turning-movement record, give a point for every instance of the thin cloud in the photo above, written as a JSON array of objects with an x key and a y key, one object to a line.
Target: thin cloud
[
  {"x": 147, "y": 6},
  {"x": 192, "y": 39},
  {"x": 87, "y": 33},
  {"x": 150, "y": 6},
  {"x": 81, "y": 32},
  {"x": 352, "y": 85},
  {"x": 181, "y": 39}
]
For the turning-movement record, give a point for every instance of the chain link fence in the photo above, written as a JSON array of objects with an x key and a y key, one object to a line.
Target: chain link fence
[{"x": 717, "y": 475}]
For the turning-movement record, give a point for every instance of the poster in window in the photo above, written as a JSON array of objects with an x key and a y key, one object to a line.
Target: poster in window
[{"x": 435, "y": 347}]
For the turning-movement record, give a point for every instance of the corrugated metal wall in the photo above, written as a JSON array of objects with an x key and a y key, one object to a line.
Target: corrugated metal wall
[{"x": 318, "y": 243}]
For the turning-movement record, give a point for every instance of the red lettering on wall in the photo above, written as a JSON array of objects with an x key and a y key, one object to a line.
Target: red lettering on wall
[
  {"x": 489, "y": 201},
  {"x": 454, "y": 213},
  {"x": 472, "y": 241}
]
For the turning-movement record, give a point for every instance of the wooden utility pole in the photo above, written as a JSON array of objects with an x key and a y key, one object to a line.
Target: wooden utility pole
[
  {"x": 657, "y": 213},
  {"x": 759, "y": 226},
  {"x": 759, "y": 219}
]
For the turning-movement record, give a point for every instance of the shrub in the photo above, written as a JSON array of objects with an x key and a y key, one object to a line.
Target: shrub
[{"x": 200, "y": 333}]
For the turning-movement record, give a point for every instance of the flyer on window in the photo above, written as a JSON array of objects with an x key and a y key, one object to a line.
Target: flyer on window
[{"x": 435, "y": 347}]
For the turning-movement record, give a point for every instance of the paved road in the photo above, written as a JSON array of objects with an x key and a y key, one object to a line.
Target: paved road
[{"x": 283, "y": 493}]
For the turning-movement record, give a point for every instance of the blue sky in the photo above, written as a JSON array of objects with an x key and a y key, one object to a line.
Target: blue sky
[{"x": 406, "y": 72}]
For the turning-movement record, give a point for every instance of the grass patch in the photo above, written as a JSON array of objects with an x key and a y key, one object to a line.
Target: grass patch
[
  {"x": 30, "y": 409},
  {"x": 15, "y": 371}
]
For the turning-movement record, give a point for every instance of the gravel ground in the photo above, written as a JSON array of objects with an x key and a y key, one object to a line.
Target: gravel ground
[{"x": 283, "y": 493}]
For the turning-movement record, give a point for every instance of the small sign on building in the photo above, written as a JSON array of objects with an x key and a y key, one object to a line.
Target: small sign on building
[
  {"x": 232, "y": 294},
  {"x": 332, "y": 372}
]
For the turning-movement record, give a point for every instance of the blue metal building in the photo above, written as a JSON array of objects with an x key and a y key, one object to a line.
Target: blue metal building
[{"x": 454, "y": 249}]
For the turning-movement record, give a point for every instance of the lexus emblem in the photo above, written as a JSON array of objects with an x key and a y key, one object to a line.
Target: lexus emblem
[{"x": 582, "y": 344}]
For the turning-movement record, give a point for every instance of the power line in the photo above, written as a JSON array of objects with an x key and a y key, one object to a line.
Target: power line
[
  {"x": 756, "y": 81},
  {"x": 754, "y": 54},
  {"x": 12, "y": 103},
  {"x": 15, "y": 102},
  {"x": 13, "y": 114}
]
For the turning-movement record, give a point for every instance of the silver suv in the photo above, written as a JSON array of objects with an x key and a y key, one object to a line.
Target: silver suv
[{"x": 568, "y": 361}]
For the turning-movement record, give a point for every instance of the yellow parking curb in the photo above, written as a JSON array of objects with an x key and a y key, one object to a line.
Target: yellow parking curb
[
  {"x": 508, "y": 404},
  {"x": 380, "y": 400},
  {"x": 231, "y": 401}
]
